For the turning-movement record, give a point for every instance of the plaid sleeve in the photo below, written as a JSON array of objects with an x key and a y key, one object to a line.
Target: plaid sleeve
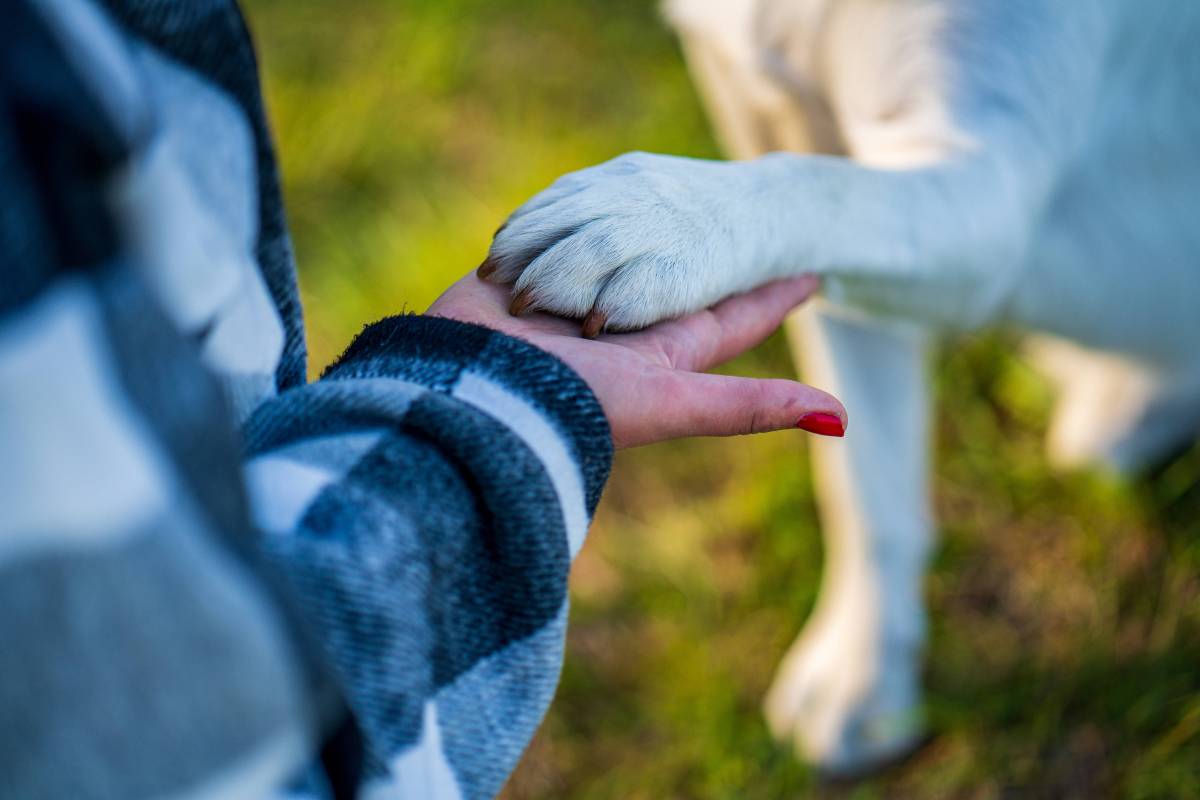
[
  {"x": 425, "y": 499},
  {"x": 147, "y": 650},
  {"x": 211, "y": 573}
]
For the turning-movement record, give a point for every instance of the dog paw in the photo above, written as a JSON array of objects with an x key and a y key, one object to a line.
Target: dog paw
[
  {"x": 627, "y": 243},
  {"x": 847, "y": 705}
]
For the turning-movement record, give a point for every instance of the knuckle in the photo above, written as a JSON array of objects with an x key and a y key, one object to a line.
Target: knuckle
[
  {"x": 754, "y": 423},
  {"x": 757, "y": 396}
]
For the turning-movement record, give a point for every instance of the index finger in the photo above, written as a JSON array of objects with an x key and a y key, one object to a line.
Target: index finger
[{"x": 708, "y": 338}]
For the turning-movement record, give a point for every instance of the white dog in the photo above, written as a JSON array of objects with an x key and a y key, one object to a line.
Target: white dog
[{"x": 1029, "y": 162}]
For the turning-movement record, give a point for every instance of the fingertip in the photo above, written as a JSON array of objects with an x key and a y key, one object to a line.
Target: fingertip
[
  {"x": 816, "y": 411},
  {"x": 830, "y": 405},
  {"x": 799, "y": 288}
]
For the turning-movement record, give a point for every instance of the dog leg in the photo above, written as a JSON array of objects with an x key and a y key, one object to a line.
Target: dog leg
[
  {"x": 847, "y": 695},
  {"x": 949, "y": 171},
  {"x": 1115, "y": 412},
  {"x": 848, "y": 692}
]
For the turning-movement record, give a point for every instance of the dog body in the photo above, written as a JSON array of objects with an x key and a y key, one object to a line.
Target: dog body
[{"x": 944, "y": 165}]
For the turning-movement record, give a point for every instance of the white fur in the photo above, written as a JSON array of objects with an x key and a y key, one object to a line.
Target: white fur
[{"x": 967, "y": 162}]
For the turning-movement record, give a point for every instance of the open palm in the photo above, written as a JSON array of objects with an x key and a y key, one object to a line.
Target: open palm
[{"x": 652, "y": 383}]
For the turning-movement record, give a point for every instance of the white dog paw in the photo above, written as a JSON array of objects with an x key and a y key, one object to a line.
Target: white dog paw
[
  {"x": 848, "y": 708},
  {"x": 627, "y": 243}
]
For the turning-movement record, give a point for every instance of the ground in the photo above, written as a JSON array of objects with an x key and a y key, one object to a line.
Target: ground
[{"x": 1065, "y": 655}]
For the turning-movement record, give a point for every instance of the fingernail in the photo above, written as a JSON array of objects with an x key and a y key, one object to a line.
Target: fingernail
[
  {"x": 522, "y": 301},
  {"x": 822, "y": 423},
  {"x": 486, "y": 268},
  {"x": 593, "y": 323}
]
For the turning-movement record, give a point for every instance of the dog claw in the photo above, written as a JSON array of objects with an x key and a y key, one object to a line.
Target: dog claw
[
  {"x": 593, "y": 324},
  {"x": 521, "y": 302},
  {"x": 486, "y": 269}
]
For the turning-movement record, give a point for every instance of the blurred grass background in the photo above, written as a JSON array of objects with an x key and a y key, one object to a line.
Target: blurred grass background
[{"x": 1065, "y": 654}]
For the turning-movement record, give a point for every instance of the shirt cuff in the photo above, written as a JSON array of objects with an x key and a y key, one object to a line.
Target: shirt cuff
[{"x": 522, "y": 386}]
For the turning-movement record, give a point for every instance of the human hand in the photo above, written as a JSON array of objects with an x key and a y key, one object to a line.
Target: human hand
[{"x": 651, "y": 384}]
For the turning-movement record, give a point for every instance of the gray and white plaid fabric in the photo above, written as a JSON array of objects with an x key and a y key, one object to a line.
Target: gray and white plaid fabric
[{"x": 217, "y": 580}]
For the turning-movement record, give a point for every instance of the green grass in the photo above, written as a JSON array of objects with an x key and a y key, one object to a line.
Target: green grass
[{"x": 1065, "y": 654}]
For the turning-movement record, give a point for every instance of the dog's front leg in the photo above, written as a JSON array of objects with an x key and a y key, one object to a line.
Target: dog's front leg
[
  {"x": 646, "y": 237},
  {"x": 847, "y": 695}
]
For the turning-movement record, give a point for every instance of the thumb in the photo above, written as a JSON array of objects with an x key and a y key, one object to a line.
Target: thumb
[{"x": 723, "y": 405}]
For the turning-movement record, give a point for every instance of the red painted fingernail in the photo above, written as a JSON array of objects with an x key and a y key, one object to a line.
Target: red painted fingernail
[{"x": 822, "y": 423}]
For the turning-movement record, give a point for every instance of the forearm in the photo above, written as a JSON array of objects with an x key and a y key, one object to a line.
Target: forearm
[
  {"x": 425, "y": 500},
  {"x": 1019, "y": 85},
  {"x": 943, "y": 244}
]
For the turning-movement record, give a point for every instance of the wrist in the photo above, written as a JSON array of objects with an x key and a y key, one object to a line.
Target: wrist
[{"x": 452, "y": 356}]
